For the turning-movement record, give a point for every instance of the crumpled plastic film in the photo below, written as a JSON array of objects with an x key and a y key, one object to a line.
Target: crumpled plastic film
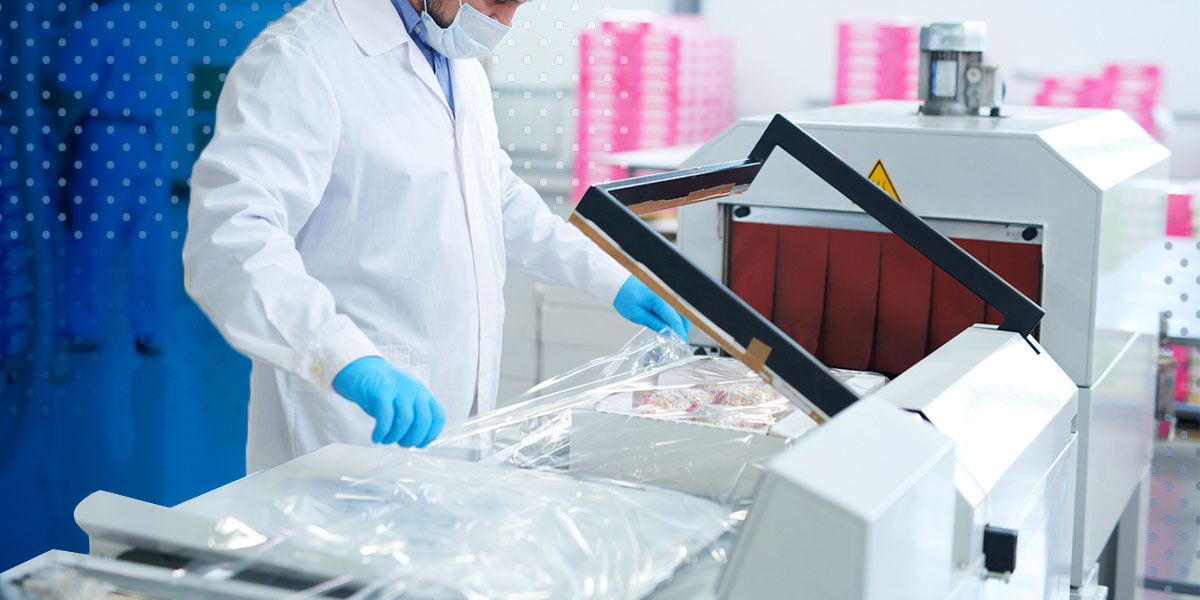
[
  {"x": 626, "y": 477},
  {"x": 414, "y": 526},
  {"x": 59, "y": 582},
  {"x": 68, "y": 576},
  {"x": 641, "y": 358},
  {"x": 652, "y": 414}
]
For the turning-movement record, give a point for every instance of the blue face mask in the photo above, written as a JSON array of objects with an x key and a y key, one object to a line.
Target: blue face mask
[{"x": 471, "y": 35}]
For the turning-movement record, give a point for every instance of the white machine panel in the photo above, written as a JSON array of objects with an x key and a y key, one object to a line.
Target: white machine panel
[
  {"x": 843, "y": 520},
  {"x": 1117, "y": 411},
  {"x": 1009, "y": 409}
]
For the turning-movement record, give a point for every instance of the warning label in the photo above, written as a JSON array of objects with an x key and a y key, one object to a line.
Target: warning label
[{"x": 879, "y": 176}]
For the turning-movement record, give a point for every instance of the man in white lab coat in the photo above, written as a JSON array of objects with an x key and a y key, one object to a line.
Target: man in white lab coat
[{"x": 352, "y": 218}]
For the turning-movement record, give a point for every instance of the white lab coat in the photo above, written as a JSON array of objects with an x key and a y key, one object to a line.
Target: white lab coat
[{"x": 341, "y": 211}]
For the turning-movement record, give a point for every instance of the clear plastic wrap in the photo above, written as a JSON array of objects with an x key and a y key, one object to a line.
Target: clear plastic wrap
[
  {"x": 558, "y": 505},
  {"x": 60, "y": 582},
  {"x": 626, "y": 476},
  {"x": 58, "y": 575},
  {"x": 654, "y": 414},
  {"x": 642, "y": 358},
  {"x": 416, "y": 526}
]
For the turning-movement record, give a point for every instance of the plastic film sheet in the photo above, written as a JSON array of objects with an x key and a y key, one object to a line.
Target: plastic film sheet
[
  {"x": 654, "y": 414},
  {"x": 60, "y": 582},
  {"x": 417, "y": 526},
  {"x": 642, "y": 358},
  {"x": 58, "y": 575},
  {"x": 625, "y": 476}
]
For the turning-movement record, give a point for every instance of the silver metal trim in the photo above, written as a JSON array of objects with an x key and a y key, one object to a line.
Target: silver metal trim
[{"x": 832, "y": 219}]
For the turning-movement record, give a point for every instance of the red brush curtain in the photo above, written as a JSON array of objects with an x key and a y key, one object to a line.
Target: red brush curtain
[{"x": 863, "y": 300}]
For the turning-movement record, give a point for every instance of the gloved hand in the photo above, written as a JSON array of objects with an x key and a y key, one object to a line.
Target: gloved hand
[
  {"x": 404, "y": 410},
  {"x": 641, "y": 305}
]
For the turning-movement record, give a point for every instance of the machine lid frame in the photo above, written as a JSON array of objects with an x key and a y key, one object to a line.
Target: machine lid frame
[{"x": 609, "y": 214}]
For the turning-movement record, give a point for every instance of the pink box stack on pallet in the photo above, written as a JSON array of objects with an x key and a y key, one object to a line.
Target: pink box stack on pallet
[
  {"x": 1183, "y": 371},
  {"x": 648, "y": 82},
  {"x": 1180, "y": 216},
  {"x": 1134, "y": 89},
  {"x": 876, "y": 61}
]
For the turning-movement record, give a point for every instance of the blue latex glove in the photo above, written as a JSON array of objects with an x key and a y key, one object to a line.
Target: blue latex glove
[
  {"x": 404, "y": 410},
  {"x": 641, "y": 305}
]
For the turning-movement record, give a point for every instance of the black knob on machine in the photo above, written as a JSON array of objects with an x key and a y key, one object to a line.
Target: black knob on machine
[{"x": 999, "y": 551}]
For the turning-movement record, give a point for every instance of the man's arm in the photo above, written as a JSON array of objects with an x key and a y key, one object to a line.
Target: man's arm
[
  {"x": 549, "y": 249},
  {"x": 253, "y": 188},
  {"x": 544, "y": 246}
]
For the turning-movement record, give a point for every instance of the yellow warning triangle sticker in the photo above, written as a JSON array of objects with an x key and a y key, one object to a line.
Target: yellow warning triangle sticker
[{"x": 879, "y": 176}]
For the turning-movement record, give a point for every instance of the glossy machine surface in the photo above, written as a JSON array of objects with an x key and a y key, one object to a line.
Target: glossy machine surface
[
  {"x": 886, "y": 524},
  {"x": 1015, "y": 454},
  {"x": 968, "y": 445},
  {"x": 1089, "y": 181}
]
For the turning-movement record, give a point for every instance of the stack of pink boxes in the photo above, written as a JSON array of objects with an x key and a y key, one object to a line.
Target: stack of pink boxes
[
  {"x": 1134, "y": 89},
  {"x": 648, "y": 81},
  {"x": 1180, "y": 215},
  {"x": 1183, "y": 381},
  {"x": 1183, "y": 221},
  {"x": 876, "y": 61}
]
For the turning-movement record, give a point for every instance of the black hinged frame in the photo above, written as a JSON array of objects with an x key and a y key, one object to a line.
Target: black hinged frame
[{"x": 609, "y": 214}]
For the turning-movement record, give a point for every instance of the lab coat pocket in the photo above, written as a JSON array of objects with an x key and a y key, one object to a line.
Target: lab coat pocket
[
  {"x": 401, "y": 358},
  {"x": 324, "y": 418}
]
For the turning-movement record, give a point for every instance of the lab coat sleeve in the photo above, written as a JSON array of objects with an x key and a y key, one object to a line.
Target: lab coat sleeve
[
  {"x": 544, "y": 246},
  {"x": 253, "y": 189}
]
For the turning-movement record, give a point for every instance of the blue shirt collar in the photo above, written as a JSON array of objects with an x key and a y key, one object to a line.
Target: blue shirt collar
[{"x": 409, "y": 16}]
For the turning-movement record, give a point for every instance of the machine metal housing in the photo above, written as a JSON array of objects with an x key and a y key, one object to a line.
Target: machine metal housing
[
  {"x": 1089, "y": 183},
  {"x": 1011, "y": 465}
]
